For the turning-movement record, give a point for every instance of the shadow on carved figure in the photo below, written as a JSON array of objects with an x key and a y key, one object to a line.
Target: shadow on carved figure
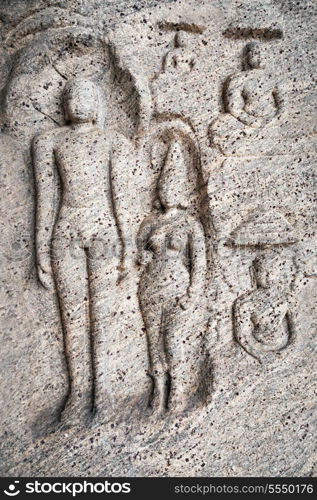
[
  {"x": 171, "y": 247},
  {"x": 77, "y": 240},
  {"x": 264, "y": 316},
  {"x": 252, "y": 100}
]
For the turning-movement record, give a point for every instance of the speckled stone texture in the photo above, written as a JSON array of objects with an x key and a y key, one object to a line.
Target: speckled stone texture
[{"x": 158, "y": 250}]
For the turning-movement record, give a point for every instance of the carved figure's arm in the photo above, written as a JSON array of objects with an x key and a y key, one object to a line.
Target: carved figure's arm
[
  {"x": 277, "y": 112},
  {"x": 144, "y": 254},
  {"x": 235, "y": 102},
  {"x": 291, "y": 322},
  {"x": 243, "y": 326},
  {"x": 198, "y": 258},
  {"x": 169, "y": 62},
  {"x": 46, "y": 206},
  {"x": 280, "y": 101},
  {"x": 241, "y": 318},
  {"x": 292, "y": 312},
  {"x": 120, "y": 166}
]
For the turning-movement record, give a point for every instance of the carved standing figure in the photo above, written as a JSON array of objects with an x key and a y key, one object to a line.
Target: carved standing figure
[
  {"x": 77, "y": 241},
  {"x": 171, "y": 246},
  {"x": 264, "y": 317}
]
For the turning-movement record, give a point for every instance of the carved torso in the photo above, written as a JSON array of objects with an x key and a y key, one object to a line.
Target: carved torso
[
  {"x": 179, "y": 59},
  {"x": 83, "y": 162},
  {"x": 167, "y": 274},
  {"x": 265, "y": 314},
  {"x": 83, "y": 159},
  {"x": 257, "y": 93}
]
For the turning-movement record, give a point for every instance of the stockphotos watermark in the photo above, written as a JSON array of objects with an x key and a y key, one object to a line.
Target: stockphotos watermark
[{"x": 62, "y": 487}]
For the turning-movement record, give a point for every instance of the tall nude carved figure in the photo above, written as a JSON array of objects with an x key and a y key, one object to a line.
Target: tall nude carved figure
[
  {"x": 171, "y": 248},
  {"x": 77, "y": 241}
]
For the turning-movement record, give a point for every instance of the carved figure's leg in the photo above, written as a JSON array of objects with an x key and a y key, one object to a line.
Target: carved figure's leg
[
  {"x": 183, "y": 360},
  {"x": 70, "y": 273},
  {"x": 103, "y": 262},
  {"x": 226, "y": 131},
  {"x": 153, "y": 320}
]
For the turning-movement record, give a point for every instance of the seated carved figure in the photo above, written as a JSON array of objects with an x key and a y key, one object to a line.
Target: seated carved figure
[
  {"x": 171, "y": 248},
  {"x": 180, "y": 58},
  {"x": 252, "y": 100},
  {"x": 264, "y": 317}
]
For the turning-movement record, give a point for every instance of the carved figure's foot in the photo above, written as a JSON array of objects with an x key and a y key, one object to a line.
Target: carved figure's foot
[
  {"x": 77, "y": 412},
  {"x": 178, "y": 402},
  {"x": 159, "y": 399},
  {"x": 101, "y": 416}
]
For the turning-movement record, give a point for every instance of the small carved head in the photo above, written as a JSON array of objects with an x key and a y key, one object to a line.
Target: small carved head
[
  {"x": 272, "y": 269},
  {"x": 173, "y": 182},
  {"x": 181, "y": 39},
  {"x": 254, "y": 56},
  {"x": 81, "y": 101}
]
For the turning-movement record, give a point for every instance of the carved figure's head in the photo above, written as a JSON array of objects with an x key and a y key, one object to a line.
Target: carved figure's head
[
  {"x": 272, "y": 269},
  {"x": 254, "y": 56},
  {"x": 81, "y": 101},
  {"x": 173, "y": 188},
  {"x": 182, "y": 39}
]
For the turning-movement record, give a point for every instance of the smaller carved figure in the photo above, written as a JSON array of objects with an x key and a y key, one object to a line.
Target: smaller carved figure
[
  {"x": 171, "y": 247},
  {"x": 181, "y": 58},
  {"x": 252, "y": 100},
  {"x": 253, "y": 96},
  {"x": 264, "y": 316}
]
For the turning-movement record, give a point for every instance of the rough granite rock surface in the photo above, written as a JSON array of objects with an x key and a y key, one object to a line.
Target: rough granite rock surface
[{"x": 158, "y": 237}]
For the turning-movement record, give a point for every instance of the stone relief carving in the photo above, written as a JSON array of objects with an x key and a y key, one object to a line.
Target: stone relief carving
[
  {"x": 74, "y": 227},
  {"x": 177, "y": 68},
  {"x": 253, "y": 100},
  {"x": 172, "y": 250},
  {"x": 77, "y": 239},
  {"x": 174, "y": 265},
  {"x": 264, "y": 317},
  {"x": 253, "y": 96},
  {"x": 181, "y": 58},
  {"x": 263, "y": 229},
  {"x": 92, "y": 213}
]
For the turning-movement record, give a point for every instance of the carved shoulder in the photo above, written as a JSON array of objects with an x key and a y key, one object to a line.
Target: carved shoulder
[
  {"x": 236, "y": 80},
  {"x": 242, "y": 304},
  {"x": 194, "y": 224},
  {"x": 148, "y": 224},
  {"x": 119, "y": 142},
  {"x": 48, "y": 137}
]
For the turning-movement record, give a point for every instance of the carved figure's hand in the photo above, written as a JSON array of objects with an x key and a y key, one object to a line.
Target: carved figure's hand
[
  {"x": 144, "y": 257},
  {"x": 44, "y": 272},
  {"x": 252, "y": 121},
  {"x": 123, "y": 273},
  {"x": 186, "y": 301},
  {"x": 258, "y": 121}
]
